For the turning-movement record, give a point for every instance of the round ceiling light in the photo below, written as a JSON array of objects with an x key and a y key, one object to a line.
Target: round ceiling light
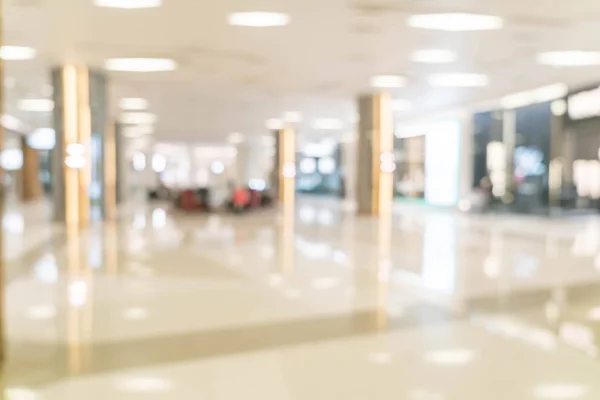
[
  {"x": 235, "y": 138},
  {"x": 388, "y": 81},
  {"x": 258, "y": 19},
  {"x": 455, "y": 22},
  {"x": 138, "y": 118},
  {"x": 274, "y": 124},
  {"x": 128, "y": 4},
  {"x": 434, "y": 56},
  {"x": 140, "y": 64},
  {"x": 458, "y": 80},
  {"x": 133, "y": 104},
  {"x": 15, "y": 53},
  {"x": 573, "y": 58}
]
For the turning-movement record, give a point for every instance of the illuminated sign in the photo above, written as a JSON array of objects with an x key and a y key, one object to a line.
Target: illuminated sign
[{"x": 584, "y": 105}]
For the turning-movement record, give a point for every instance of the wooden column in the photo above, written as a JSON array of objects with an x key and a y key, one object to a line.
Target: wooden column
[{"x": 31, "y": 186}]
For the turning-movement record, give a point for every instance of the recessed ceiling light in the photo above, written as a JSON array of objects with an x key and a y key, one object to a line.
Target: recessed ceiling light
[
  {"x": 129, "y": 4},
  {"x": 133, "y": 103},
  {"x": 455, "y": 22},
  {"x": 140, "y": 64},
  {"x": 569, "y": 58},
  {"x": 274, "y": 124},
  {"x": 235, "y": 138},
  {"x": 458, "y": 80},
  {"x": 328, "y": 124},
  {"x": 450, "y": 356},
  {"x": 138, "y": 118},
  {"x": 17, "y": 53},
  {"x": 388, "y": 81},
  {"x": 560, "y": 391},
  {"x": 258, "y": 19},
  {"x": 434, "y": 56},
  {"x": 38, "y": 105},
  {"x": 401, "y": 105},
  {"x": 292, "y": 117}
]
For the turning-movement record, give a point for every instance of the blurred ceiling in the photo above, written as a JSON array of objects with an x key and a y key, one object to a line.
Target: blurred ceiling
[{"x": 232, "y": 78}]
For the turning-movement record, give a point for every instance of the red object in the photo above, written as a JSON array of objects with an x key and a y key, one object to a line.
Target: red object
[
  {"x": 187, "y": 200},
  {"x": 255, "y": 200},
  {"x": 240, "y": 197}
]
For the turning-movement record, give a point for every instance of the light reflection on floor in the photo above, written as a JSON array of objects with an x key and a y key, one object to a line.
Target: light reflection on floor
[{"x": 467, "y": 299}]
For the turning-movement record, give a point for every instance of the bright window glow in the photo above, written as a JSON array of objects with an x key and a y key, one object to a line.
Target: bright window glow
[
  {"x": 328, "y": 124},
  {"x": 455, "y": 22},
  {"x": 133, "y": 104},
  {"x": 11, "y": 159},
  {"x": 16, "y": 53},
  {"x": 388, "y": 81},
  {"x": 217, "y": 167},
  {"x": 308, "y": 165},
  {"x": 144, "y": 385},
  {"x": 442, "y": 163},
  {"x": 36, "y": 105},
  {"x": 258, "y": 19},
  {"x": 458, "y": 80},
  {"x": 159, "y": 163},
  {"x": 138, "y": 118},
  {"x": 140, "y": 64},
  {"x": 139, "y": 161},
  {"x": 401, "y": 105},
  {"x": 42, "y": 139},
  {"x": 235, "y": 138},
  {"x": 128, "y": 4},
  {"x": 560, "y": 391},
  {"x": 274, "y": 124},
  {"x": 292, "y": 117},
  {"x": 450, "y": 357},
  {"x": 434, "y": 56},
  {"x": 569, "y": 58},
  {"x": 326, "y": 165}
]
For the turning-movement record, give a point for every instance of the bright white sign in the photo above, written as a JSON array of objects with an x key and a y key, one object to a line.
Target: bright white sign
[
  {"x": 442, "y": 163},
  {"x": 584, "y": 104}
]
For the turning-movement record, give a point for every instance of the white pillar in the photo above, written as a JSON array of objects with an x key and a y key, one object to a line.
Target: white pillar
[{"x": 251, "y": 163}]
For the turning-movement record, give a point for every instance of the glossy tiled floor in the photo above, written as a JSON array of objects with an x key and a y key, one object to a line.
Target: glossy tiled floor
[{"x": 312, "y": 303}]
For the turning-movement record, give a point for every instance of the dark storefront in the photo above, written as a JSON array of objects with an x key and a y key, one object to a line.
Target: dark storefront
[{"x": 512, "y": 157}]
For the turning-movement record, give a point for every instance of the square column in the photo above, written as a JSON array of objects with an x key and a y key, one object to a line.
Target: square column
[
  {"x": 31, "y": 186},
  {"x": 83, "y": 158},
  {"x": 375, "y": 154},
  {"x": 284, "y": 173}
]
